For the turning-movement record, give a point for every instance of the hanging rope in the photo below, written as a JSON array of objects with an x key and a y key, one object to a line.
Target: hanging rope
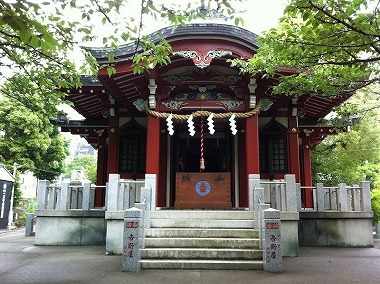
[
  {"x": 202, "y": 161},
  {"x": 203, "y": 113}
]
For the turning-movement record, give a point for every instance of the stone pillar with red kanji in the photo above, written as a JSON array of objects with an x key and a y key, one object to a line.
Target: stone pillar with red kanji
[
  {"x": 131, "y": 256},
  {"x": 272, "y": 241}
]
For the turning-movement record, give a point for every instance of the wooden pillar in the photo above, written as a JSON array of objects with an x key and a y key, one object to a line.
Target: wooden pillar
[
  {"x": 293, "y": 147},
  {"x": 251, "y": 153},
  {"x": 306, "y": 172},
  {"x": 113, "y": 146},
  {"x": 243, "y": 177},
  {"x": 153, "y": 155},
  {"x": 101, "y": 177}
]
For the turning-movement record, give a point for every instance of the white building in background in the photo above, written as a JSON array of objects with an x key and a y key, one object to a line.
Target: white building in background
[{"x": 28, "y": 185}]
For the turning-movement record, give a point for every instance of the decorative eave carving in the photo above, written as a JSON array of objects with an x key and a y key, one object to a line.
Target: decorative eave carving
[{"x": 202, "y": 60}]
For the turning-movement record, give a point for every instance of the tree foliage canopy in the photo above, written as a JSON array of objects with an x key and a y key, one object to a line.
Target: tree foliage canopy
[
  {"x": 352, "y": 156},
  {"x": 40, "y": 37},
  {"x": 334, "y": 44},
  {"x": 375, "y": 203},
  {"x": 27, "y": 136},
  {"x": 84, "y": 163}
]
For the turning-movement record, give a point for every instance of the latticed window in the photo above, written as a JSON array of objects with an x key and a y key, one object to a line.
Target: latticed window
[
  {"x": 273, "y": 149},
  {"x": 278, "y": 155},
  {"x": 132, "y": 157},
  {"x": 132, "y": 154}
]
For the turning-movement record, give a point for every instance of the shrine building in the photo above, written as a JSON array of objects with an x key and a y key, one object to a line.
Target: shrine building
[{"x": 141, "y": 124}]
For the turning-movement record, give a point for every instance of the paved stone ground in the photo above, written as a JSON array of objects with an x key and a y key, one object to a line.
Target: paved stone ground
[{"x": 22, "y": 262}]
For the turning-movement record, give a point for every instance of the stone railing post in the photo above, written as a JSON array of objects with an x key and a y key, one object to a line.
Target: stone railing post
[
  {"x": 112, "y": 192},
  {"x": 272, "y": 233},
  {"x": 42, "y": 195},
  {"x": 86, "y": 196},
  {"x": 341, "y": 196},
  {"x": 146, "y": 197},
  {"x": 298, "y": 196},
  {"x": 291, "y": 195},
  {"x": 52, "y": 193},
  {"x": 277, "y": 197},
  {"x": 365, "y": 196},
  {"x": 256, "y": 195},
  {"x": 64, "y": 203},
  {"x": 131, "y": 195},
  {"x": 261, "y": 227},
  {"x": 355, "y": 193},
  {"x": 77, "y": 197},
  {"x": 320, "y": 197},
  {"x": 121, "y": 196},
  {"x": 143, "y": 207},
  {"x": 151, "y": 181},
  {"x": 333, "y": 198},
  {"x": 253, "y": 183},
  {"x": 92, "y": 197},
  {"x": 131, "y": 258},
  {"x": 29, "y": 225}
]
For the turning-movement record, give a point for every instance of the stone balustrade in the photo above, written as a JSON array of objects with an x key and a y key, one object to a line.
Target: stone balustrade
[
  {"x": 122, "y": 193},
  {"x": 343, "y": 198},
  {"x": 65, "y": 196},
  {"x": 281, "y": 195}
]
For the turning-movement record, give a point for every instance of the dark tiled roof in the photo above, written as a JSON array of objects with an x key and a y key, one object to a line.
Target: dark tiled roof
[
  {"x": 191, "y": 30},
  {"x": 90, "y": 80}
]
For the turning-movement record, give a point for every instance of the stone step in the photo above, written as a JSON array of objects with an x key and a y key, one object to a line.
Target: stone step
[
  {"x": 231, "y": 243},
  {"x": 198, "y": 239},
  {"x": 202, "y": 233},
  {"x": 201, "y": 264},
  {"x": 201, "y": 253},
  {"x": 203, "y": 214},
  {"x": 200, "y": 223}
]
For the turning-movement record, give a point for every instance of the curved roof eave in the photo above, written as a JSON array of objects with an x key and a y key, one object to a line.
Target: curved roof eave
[{"x": 240, "y": 35}]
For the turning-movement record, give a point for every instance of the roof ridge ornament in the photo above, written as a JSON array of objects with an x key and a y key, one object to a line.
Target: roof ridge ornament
[
  {"x": 209, "y": 13},
  {"x": 200, "y": 59}
]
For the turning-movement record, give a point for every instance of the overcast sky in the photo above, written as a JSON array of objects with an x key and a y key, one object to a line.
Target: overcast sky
[
  {"x": 260, "y": 16},
  {"x": 263, "y": 14}
]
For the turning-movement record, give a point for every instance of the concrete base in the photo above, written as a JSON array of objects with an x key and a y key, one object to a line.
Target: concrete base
[
  {"x": 70, "y": 227},
  {"x": 336, "y": 229},
  {"x": 115, "y": 231},
  {"x": 289, "y": 233}
]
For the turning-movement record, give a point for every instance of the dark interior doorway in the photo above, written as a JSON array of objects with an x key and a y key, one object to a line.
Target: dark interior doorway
[{"x": 186, "y": 153}]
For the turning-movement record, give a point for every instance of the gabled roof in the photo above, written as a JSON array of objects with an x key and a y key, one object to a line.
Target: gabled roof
[
  {"x": 95, "y": 98},
  {"x": 104, "y": 96},
  {"x": 237, "y": 34},
  {"x": 5, "y": 174}
]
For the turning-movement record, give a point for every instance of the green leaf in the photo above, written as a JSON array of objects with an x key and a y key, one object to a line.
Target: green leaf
[
  {"x": 35, "y": 41},
  {"x": 25, "y": 35}
]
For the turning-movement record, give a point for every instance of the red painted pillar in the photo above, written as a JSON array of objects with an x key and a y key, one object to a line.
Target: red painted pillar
[
  {"x": 293, "y": 157},
  {"x": 241, "y": 155},
  {"x": 101, "y": 173},
  {"x": 251, "y": 153},
  {"x": 161, "y": 198},
  {"x": 153, "y": 155},
  {"x": 113, "y": 146},
  {"x": 307, "y": 174}
]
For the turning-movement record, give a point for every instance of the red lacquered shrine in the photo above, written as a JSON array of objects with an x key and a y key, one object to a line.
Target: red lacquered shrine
[{"x": 128, "y": 118}]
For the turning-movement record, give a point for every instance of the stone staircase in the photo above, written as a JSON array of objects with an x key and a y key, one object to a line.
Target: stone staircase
[{"x": 198, "y": 239}]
